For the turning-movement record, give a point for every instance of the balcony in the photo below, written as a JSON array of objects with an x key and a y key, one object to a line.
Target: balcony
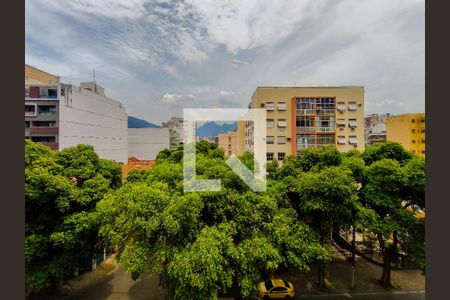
[
  {"x": 305, "y": 111},
  {"x": 41, "y": 92},
  {"x": 353, "y": 141},
  {"x": 341, "y": 107},
  {"x": 305, "y": 129},
  {"x": 325, "y": 111},
  {"x": 352, "y": 106},
  {"x": 43, "y": 130},
  {"x": 325, "y": 129}
]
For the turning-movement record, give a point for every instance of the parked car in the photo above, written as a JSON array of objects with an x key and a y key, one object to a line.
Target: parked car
[{"x": 275, "y": 289}]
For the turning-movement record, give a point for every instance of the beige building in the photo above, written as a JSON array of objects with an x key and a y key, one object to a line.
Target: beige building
[
  {"x": 228, "y": 142},
  {"x": 408, "y": 130},
  {"x": 36, "y": 76},
  {"x": 299, "y": 118}
]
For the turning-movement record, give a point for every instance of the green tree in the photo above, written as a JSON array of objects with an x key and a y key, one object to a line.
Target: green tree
[
  {"x": 61, "y": 224},
  {"x": 330, "y": 197}
]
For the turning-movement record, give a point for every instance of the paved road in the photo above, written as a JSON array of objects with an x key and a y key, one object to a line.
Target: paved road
[
  {"x": 119, "y": 286},
  {"x": 400, "y": 295}
]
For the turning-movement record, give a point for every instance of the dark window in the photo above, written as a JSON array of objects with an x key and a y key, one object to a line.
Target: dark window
[
  {"x": 43, "y": 139},
  {"x": 269, "y": 284},
  {"x": 286, "y": 283},
  {"x": 279, "y": 289},
  {"x": 281, "y": 156}
]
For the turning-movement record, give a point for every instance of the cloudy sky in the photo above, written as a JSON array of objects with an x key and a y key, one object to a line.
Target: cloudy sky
[{"x": 159, "y": 56}]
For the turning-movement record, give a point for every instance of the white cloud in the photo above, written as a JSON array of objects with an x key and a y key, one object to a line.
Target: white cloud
[{"x": 180, "y": 99}]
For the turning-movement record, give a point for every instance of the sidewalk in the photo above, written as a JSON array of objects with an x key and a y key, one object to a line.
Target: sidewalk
[{"x": 338, "y": 276}]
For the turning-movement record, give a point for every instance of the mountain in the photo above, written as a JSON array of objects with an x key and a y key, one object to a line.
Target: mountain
[
  {"x": 212, "y": 129},
  {"x": 139, "y": 123}
]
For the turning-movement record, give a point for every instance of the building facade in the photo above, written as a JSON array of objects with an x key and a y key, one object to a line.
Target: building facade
[
  {"x": 228, "y": 142},
  {"x": 407, "y": 130},
  {"x": 146, "y": 143},
  {"x": 175, "y": 126},
  {"x": 375, "y": 128},
  {"x": 63, "y": 115},
  {"x": 299, "y": 118}
]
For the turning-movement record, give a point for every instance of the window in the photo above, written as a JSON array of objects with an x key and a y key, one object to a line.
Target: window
[
  {"x": 352, "y": 106},
  {"x": 269, "y": 140},
  {"x": 305, "y": 124},
  {"x": 352, "y": 123},
  {"x": 268, "y": 284},
  {"x": 352, "y": 140},
  {"x": 341, "y": 123},
  {"x": 43, "y": 123},
  {"x": 270, "y": 123},
  {"x": 30, "y": 110},
  {"x": 269, "y": 156},
  {"x": 305, "y": 106},
  {"x": 43, "y": 139},
  {"x": 413, "y": 130},
  {"x": 325, "y": 106},
  {"x": 325, "y": 139},
  {"x": 413, "y": 121},
  {"x": 423, "y": 151},
  {"x": 281, "y": 140},
  {"x": 341, "y": 140},
  {"x": 422, "y": 120},
  {"x": 281, "y": 106},
  {"x": 423, "y": 141},
  {"x": 422, "y": 130},
  {"x": 325, "y": 124},
  {"x": 279, "y": 289},
  {"x": 281, "y": 156},
  {"x": 27, "y": 124},
  {"x": 305, "y": 141},
  {"x": 413, "y": 141},
  {"x": 281, "y": 123},
  {"x": 341, "y": 106},
  {"x": 270, "y": 106},
  {"x": 47, "y": 110}
]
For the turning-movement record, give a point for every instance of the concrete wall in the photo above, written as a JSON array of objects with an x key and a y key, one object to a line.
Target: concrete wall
[
  {"x": 92, "y": 119},
  {"x": 36, "y": 76},
  {"x": 146, "y": 143}
]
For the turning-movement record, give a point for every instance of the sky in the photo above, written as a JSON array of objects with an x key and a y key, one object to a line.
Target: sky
[{"x": 158, "y": 57}]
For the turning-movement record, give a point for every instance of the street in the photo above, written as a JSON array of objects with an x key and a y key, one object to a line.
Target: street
[{"x": 400, "y": 295}]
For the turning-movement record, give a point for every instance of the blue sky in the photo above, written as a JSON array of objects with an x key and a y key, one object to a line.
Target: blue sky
[{"x": 159, "y": 56}]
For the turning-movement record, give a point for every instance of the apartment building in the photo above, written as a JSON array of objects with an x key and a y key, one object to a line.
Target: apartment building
[
  {"x": 228, "y": 142},
  {"x": 408, "y": 130},
  {"x": 63, "y": 115},
  {"x": 146, "y": 143},
  {"x": 375, "y": 128},
  {"x": 299, "y": 118},
  {"x": 175, "y": 126}
]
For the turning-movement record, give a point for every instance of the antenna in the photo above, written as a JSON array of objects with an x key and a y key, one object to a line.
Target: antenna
[{"x": 95, "y": 83}]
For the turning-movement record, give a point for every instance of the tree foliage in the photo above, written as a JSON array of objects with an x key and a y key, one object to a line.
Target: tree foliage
[{"x": 61, "y": 223}]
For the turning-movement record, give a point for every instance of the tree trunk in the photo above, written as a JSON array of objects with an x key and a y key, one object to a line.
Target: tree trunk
[
  {"x": 321, "y": 282},
  {"x": 385, "y": 279}
]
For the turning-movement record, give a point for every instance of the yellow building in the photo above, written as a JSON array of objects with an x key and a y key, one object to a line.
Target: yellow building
[
  {"x": 407, "y": 130},
  {"x": 303, "y": 117},
  {"x": 36, "y": 76},
  {"x": 228, "y": 142}
]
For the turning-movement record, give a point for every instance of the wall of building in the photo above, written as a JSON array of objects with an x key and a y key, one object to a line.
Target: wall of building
[
  {"x": 146, "y": 143},
  {"x": 262, "y": 95},
  {"x": 408, "y": 130},
  {"x": 229, "y": 143},
  {"x": 89, "y": 118},
  {"x": 36, "y": 76}
]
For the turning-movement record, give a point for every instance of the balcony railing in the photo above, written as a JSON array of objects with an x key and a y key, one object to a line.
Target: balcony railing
[
  {"x": 325, "y": 111},
  {"x": 305, "y": 129},
  {"x": 305, "y": 111},
  {"x": 325, "y": 129},
  {"x": 30, "y": 114}
]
